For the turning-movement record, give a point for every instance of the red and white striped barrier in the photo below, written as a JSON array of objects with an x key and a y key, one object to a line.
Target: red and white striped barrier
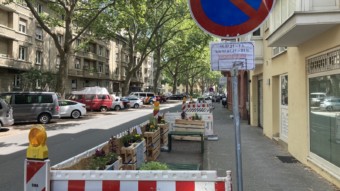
[
  {"x": 139, "y": 181},
  {"x": 36, "y": 175}
]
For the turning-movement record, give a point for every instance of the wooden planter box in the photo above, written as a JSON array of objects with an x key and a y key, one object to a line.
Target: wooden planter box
[
  {"x": 133, "y": 156},
  {"x": 182, "y": 125},
  {"x": 164, "y": 133},
  {"x": 153, "y": 148},
  {"x": 116, "y": 165}
]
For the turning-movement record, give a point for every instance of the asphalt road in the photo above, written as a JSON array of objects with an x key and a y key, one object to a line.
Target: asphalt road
[{"x": 66, "y": 138}]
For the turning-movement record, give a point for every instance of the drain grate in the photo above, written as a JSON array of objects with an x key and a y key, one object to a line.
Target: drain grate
[{"x": 287, "y": 159}]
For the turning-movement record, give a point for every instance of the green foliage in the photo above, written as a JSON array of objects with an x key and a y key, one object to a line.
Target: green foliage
[
  {"x": 152, "y": 125},
  {"x": 196, "y": 117},
  {"x": 99, "y": 162},
  {"x": 35, "y": 79},
  {"x": 153, "y": 165}
]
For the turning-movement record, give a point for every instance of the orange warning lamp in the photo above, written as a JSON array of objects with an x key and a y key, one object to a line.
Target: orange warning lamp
[{"x": 37, "y": 148}]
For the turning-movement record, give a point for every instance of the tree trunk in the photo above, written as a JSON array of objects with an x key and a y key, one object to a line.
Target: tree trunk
[
  {"x": 62, "y": 75},
  {"x": 126, "y": 85},
  {"x": 158, "y": 70}
]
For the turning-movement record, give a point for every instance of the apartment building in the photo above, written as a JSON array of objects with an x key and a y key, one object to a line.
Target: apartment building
[
  {"x": 300, "y": 47},
  {"x": 24, "y": 45}
]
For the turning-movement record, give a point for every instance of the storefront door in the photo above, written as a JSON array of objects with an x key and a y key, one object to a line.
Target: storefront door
[
  {"x": 260, "y": 102},
  {"x": 284, "y": 108}
]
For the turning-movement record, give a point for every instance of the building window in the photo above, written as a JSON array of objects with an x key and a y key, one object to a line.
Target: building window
[
  {"x": 57, "y": 62},
  {"x": 22, "y": 53},
  {"x": 74, "y": 84},
  {"x": 39, "y": 8},
  {"x": 86, "y": 65},
  {"x": 107, "y": 53},
  {"x": 77, "y": 64},
  {"x": 38, "y": 57},
  {"x": 117, "y": 71},
  {"x": 39, "y": 33},
  {"x": 22, "y": 25},
  {"x": 324, "y": 98},
  {"x": 107, "y": 70},
  {"x": 100, "y": 51},
  {"x": 100, "y": 67},
  {"x": 257, "y": 32},
  {"x": 17, "y": 80}
]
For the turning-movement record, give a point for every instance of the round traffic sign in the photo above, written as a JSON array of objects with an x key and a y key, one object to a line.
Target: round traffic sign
[{"x": 229, "y": 18}]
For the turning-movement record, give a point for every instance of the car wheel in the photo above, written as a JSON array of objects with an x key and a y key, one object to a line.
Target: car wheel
[
  {"x": 103, "y": 109},
  {"x": 329, "y": 108},
  {"x": 117, "y": 108},
  {"x": 75, "y": 114},
  {"x": 44, "y": 118},
  {"x": 136, "y": 105}
]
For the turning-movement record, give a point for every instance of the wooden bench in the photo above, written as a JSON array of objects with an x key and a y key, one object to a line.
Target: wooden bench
[{"x": 183, "y": 133}]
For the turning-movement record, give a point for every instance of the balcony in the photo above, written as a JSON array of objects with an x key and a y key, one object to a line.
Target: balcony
[
  {"x": 92, "y": 56},
  {"x": 7, "y": 62},
  {"x": 6, "y": 32},
  {"x": 301, "y": 27},
  {"x": 78, "y": 73}
]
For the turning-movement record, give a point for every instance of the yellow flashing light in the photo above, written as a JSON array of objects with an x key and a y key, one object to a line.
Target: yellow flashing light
[{"x": 37, "y": 148}]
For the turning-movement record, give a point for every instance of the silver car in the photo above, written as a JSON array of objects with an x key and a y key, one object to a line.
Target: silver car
[
  {"x": 33, "y": 106},
  {"x": 330, "y": 104},
  {"x": 6, "y": 114}
]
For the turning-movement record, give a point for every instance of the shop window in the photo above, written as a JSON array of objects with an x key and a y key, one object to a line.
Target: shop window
[{"x": 324, "y": 106}]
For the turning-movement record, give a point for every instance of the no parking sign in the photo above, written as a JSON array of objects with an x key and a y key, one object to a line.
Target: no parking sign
[{"x": 230, "y": 18}]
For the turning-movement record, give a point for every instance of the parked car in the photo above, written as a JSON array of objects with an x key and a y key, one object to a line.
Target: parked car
[
  {"x": 148, "y": 100},
  {"x": 69, "y": 108},
  {"x": 96, "y": 102},
  {"x": 31, "y": 106},
  {"x": 117, "y": 104},
  {"x": 142, "y": 95},
  {"x": 126, "y": 102},
  {"x": 330, "y": 104},
  {"x": 204, "y": 100},
  {"x": 176, "y": 97},
  {"x": 316, "y": 98},
  {"x": 161, "y": 98},
  {"x": 6, "y": 114},
  {"x": 135, "y": 102}
]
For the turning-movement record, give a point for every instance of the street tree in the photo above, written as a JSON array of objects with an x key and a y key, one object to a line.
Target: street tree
[
  {"x": 74, "y": 17},
  {"x": 139, "y": 22}
]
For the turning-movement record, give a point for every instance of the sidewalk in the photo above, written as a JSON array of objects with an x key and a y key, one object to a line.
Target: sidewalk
[{"x": 262, "y": 169}]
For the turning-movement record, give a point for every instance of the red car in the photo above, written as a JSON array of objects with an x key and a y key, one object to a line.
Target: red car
[{"x": 161, "y": 98}]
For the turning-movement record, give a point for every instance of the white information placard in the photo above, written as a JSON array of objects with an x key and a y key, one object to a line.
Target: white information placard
[{"x": 225, "y": 55}]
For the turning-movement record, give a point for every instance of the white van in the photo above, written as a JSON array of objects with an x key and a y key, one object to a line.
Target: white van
[{"x": 142, "y": 95}]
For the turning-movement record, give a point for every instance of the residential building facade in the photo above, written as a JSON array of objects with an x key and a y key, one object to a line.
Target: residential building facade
[
  {"x": 24, "y": 45},
  {"x": 300, "y": 45}
]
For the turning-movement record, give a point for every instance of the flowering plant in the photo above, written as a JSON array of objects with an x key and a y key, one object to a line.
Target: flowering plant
[{"x": 152, "y": 126}]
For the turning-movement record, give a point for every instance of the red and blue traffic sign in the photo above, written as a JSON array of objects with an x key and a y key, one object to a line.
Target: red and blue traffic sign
[{"x": 230, "y": 18}]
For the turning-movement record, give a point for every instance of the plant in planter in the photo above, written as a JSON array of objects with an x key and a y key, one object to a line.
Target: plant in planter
[
  {"x": 196, "y": 117},
  {"x": 152, "y": 126},
  {"x": 127, "y": 140},
  {"x": 160, "y": 119},
  {"x": 153, "y": 165},
  {"x": 100, "y": 160}
]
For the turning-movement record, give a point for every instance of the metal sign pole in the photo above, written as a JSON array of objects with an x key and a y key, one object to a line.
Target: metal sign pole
[{"x": 234, "y": 73}]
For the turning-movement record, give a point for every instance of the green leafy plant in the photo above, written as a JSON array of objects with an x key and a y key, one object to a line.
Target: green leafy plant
[
  {"x": 153, "y": 165},
  {"x": 127, "y": 140},
  {"x": 101, "y": 159},
  {"x": 196, "y": 117},
  {"x": 152, "y": 126}
]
